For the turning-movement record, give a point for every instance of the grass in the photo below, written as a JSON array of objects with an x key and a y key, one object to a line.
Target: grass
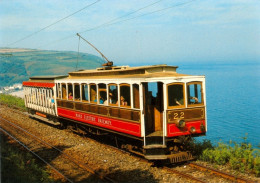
[
  {"x": 239, "y": 156},
  {"x": 18, "y": 165},
  {"x": 12, "y": 101}
]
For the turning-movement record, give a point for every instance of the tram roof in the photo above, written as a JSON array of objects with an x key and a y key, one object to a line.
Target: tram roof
[
  {"x": 128, "y": 72},
  {"x": 46, "y": 78}
]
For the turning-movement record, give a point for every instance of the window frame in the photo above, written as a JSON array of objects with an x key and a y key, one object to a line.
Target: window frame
[
  {"x": 68, "y": 90},
  {"x": 112, "y": 84},
  {"x": 81, "y": 97},
  {"x": 64, "y": 93},
  {"x": 93, "y": 84},
  {"x": 202, "y": 93},
  {"x": 101, "y": 90},
  {"x": 184, "y": 95},
  {"x": 129, "y": 105},
  {"x": 74, "y": 92},
  {"x": 134, "y": 97}
]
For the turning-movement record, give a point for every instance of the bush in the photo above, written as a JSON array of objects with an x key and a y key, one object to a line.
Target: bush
[
  {"x": 12, "y": 101},
  {"x": 242, "y": 157},
  {"x": 197, "y": 147}
]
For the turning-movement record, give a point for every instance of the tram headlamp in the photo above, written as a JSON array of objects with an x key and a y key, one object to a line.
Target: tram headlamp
[
  {"x": 192, "y": 129},
  {"x": 181, "y": 123}
]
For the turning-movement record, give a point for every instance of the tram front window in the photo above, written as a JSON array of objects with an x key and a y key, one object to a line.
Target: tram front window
[
  {"x": 194, "y": 93},
  {"x": 175, "y": 95}
]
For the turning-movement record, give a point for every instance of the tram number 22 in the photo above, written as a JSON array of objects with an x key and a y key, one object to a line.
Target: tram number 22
[{"x": 177, "y": 115}]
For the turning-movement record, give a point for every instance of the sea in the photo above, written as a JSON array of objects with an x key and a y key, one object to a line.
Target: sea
[{"x": 233, "y": 100}]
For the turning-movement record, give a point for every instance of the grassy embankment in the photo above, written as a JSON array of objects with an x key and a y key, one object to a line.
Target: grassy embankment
[
  {"x": 242, "y": 157},
  {"x": 12, "y": 101},
  {"x": 18, "y": 165}
]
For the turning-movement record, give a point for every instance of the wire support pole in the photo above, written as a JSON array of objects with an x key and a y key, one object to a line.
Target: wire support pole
[
  {"x": 1, "y": 129},
  {"x": 78, "y": 55}
]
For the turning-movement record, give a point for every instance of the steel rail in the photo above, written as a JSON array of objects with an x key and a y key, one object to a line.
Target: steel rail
[
  {"x": 217, "y": 172},
  {"x": 183, "y": 174},
  {"x": 66, "y": 155},
  {"x": 7, "y": 133}
]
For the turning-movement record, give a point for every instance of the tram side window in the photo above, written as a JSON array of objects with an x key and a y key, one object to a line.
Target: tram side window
[
  {"x": 64, "y": 91},
  {"x": 76, "y": 92},
  {"x": 125, "y": 95},
  {"x": 93, "y": 93},
  {"x": 113, "y": 94},
  {"x": 70, "y": 91},
  {"x": 194, "y": 93},
  {"x": 175, "y": 95},
  {"x": 136, "y": 96},
  {"x": 84, "y": 90},
  {"x": 102, "y": 93}
]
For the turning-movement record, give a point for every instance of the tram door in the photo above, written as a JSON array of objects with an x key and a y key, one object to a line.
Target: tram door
[{"x": 153, "y": 108}]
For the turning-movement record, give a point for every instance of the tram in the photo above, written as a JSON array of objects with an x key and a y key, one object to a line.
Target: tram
[{"x": 153, "y": 109}]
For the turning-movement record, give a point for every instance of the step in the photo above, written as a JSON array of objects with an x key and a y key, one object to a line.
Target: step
[
  {"x": 155, "y": 146},
  {"x": 156, "y": 157}
]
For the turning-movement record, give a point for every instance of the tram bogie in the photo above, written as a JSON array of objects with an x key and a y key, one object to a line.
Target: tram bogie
[{"x": 153, "y": 105}]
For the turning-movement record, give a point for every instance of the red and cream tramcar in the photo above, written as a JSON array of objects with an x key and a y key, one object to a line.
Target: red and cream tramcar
[{"x": 154, "y": 108}]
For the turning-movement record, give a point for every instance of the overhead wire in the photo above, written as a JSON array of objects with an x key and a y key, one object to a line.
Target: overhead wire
[
  {"x": 106, "y": 23},
  {"x": 30, "y": 35},
  {"x": 101, "y": 25},
  {"x": 111, "y": 22},
  {"x": 156, "y": 11}
]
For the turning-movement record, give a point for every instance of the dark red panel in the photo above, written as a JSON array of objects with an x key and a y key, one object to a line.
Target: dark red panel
[
  {"x": 105, "y": 122},
  {"x": 38, "y": 84},
  {"x": 173, "y": 130}
]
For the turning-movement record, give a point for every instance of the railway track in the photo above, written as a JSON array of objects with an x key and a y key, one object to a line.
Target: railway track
[
  {"x": 185, "y": 175},
  {"x": 35, "y": 143},
  {"x": 203, "y": 174},
  {"x": 219, "y": 173},
  {"x": 200, "y": 169}
]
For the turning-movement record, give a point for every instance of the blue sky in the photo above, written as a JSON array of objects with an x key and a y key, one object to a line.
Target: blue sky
[{"x": 205, "y": 31}]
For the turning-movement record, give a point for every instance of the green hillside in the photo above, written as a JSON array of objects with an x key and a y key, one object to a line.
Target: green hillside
[{"x": 17, "y": 67}]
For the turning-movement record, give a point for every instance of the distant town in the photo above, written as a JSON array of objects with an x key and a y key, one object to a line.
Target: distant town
[{"x": 15, "y": 90}]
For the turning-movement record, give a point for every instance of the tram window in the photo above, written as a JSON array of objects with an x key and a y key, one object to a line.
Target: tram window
[
  {"x": 70, "y": 91},
  {"x": 64, "y": 91},
  {"x": 136, "y": 96},
  {"x": 84, "y": 90},
  {"x": 102, "y": 93},
  {"x": 93, "y": 93},
  {"x": 113, "y": 94},
  {"x": 194, "y": 93},
  {"x": 76, "y": 92},
  {"x": 175, "y": 95},
  {"x": 125, "y": 95}
]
